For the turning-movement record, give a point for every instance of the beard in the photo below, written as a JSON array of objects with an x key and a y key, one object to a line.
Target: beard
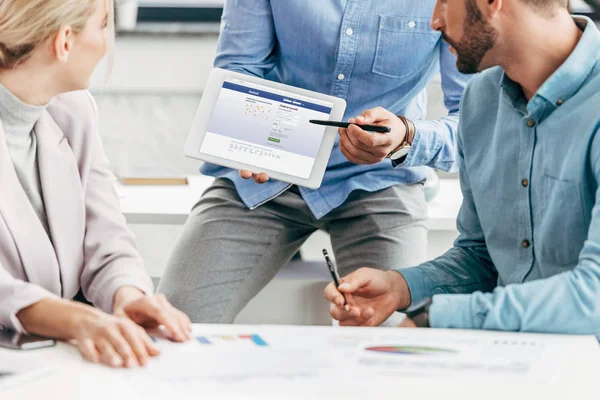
[{"x": 478, "y": 38}]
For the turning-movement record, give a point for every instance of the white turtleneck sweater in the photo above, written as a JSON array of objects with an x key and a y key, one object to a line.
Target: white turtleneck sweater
[{"x": 18, "y": 120}]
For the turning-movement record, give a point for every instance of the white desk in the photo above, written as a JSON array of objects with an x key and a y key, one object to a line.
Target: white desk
[
  {"x": 319, "y": 362},
  {"x": 171, "y": 205},
  {"x": 161, "y": 205}
]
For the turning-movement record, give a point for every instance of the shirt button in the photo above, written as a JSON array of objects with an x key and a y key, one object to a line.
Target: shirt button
[
  {"x": 559, "y": 102},
  {"x": 341, "y": 77},
  {"x": 525, "y": 182},
  {"x": 531, "y": 123},
  {"x": 525, "y": 244},
  {"x": 412, "y": 24},
  {"x": 349, "y": 32}
]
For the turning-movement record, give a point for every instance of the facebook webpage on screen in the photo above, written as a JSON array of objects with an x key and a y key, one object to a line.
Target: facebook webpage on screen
[{"x": 266, "y": 128}]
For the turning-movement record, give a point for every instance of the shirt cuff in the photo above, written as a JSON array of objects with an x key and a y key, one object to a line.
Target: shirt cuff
[
  {"x": 417, "y": 283},
  {"x": 424, "y": 147},
  {"x": 16, "y": 324},
  {"x": 451, "y": 311}
]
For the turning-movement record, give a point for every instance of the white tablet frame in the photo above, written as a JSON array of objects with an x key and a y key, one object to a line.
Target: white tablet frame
[{"x": 205, "y": 111}]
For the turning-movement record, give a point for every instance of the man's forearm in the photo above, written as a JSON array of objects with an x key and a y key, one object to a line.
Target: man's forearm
[
  {"x": 564, "y": 303},
  {"x": 433, "y": 144},
  {"x": 460, "y": 270}
]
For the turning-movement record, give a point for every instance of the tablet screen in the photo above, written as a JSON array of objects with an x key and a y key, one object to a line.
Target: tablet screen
[{"x": 266, "y": 128}]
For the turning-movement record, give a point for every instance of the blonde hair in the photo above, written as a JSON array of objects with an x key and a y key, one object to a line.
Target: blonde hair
[{"x": 24, "y": 24}]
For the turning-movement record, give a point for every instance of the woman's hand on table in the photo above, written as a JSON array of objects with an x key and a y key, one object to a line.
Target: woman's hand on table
[
  {"x": 115, "y": 341},
  {"x": 121, "y": 340},
  {"x": 152, "y": 312}
]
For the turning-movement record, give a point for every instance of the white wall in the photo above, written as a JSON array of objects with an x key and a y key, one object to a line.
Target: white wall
[{"x": 158, "y": 63}]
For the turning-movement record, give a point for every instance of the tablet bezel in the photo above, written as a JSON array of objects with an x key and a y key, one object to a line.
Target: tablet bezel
[{"x": 205, "y": 111}]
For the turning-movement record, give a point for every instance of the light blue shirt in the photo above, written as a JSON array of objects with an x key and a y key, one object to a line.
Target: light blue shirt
[
  {"x": 528, "y": 254},
  {"x": 368, "y": 52}
]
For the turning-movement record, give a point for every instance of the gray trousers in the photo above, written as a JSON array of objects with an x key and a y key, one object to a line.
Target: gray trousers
[{"x": 228, "y": 253}]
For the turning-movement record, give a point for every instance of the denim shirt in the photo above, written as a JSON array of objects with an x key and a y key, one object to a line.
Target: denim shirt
[
  {"x": 528, "y": 254},
  {"x": 368, "y": 52}
]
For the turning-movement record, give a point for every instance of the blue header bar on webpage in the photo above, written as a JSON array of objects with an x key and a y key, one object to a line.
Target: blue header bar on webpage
[{"x": 282, "y": 99}]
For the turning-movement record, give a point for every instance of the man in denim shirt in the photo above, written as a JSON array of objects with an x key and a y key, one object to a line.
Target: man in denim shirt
[
  {"x": 528, "y": 254},
  {"x": 369, "y": 52}
]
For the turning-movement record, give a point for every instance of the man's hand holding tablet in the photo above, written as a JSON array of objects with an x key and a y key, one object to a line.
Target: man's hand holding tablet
[{"x": 258, "y": 178}]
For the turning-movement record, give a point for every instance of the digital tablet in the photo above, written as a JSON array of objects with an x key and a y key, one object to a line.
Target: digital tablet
[{"x": 245, "y": 122}]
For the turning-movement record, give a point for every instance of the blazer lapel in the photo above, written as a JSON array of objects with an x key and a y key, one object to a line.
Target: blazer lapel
[
  {"x": 35, "y": 248},
  {"x": 63, "y": 197}
]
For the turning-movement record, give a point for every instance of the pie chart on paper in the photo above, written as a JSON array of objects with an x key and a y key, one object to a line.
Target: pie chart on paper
[{"x": 410, "y": 350}]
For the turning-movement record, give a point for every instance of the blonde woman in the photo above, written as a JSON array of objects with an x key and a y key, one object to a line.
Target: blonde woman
[{"x": 60, "y": 225}]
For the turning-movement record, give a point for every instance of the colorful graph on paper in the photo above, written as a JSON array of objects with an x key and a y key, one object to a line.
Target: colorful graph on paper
[{"x": 216, "y": 340}]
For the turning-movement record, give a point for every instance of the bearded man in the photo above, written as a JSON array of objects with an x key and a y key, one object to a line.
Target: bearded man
[{"x": 528, "y": 254}]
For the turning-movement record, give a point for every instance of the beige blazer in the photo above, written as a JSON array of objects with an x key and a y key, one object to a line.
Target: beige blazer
[{"x": 90, "y": 246}]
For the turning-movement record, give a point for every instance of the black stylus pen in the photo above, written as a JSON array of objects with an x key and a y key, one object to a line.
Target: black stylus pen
[
  {"x": 334, "y": 273},
  {"x": 369, "y": 128}
]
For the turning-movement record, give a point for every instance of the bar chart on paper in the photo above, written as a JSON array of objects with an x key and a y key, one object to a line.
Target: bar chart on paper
[{"x": 251, "y": 340}]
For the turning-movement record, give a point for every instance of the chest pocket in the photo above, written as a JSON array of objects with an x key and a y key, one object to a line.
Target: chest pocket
[
  {"x": 563, "y": 227},
  {"x": 405, "y": 46}
]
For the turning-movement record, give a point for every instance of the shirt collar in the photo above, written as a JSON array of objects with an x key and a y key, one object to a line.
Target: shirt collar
[
  {"x": 513, "y": 91},
  {"x": 569, "y": 77}
]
